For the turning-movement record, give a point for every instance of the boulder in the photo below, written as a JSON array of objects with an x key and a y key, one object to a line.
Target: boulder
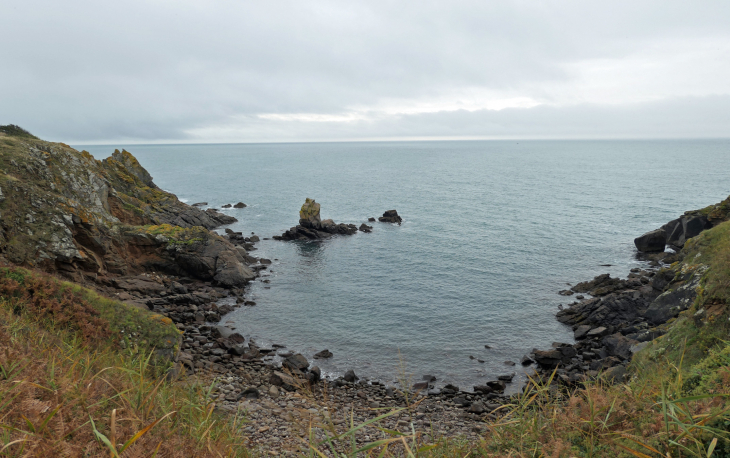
[
  {"x": 324, "y": 354},
  {"x": 616, "y": 374},
  {"x": 619, "y": 345},
  {"x": 240, "y": 205},
  {"x": 365, "y": 228},
  {"x": 653, "y": 241},
  {"x": 548, "y": 358},
  {"x": 350, "y": 376},
  {"x": 230, "y": 271},
  {"x": 296, "y": 362},
  {"x": 314, "y": 375},
  {"x": 390, "y": 216},
  {"x": 309, "y": 214},
  {"x": 226, "y": 206},
  {"x": 283, "y": 380},
  {"x": 371, "y": 220}
]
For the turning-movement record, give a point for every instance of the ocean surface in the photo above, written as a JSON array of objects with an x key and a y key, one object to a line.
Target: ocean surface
[{"x": 492, "y": 231}]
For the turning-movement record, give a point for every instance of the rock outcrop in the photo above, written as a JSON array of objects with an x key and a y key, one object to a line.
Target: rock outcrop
[
  {"x": 654, "y": 241},
  {"x": 390, "y": 216},
  {"x": 312, "y": 227},
  {"x": 64, "y": 211}
]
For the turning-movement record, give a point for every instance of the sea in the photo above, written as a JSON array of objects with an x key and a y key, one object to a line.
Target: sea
[{"x": 491, "y": 231}]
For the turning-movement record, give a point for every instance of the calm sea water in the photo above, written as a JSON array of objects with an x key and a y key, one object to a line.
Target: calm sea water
[{"x": 492, "y": 230}]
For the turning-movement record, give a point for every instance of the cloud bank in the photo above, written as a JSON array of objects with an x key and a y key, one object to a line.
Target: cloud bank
[{"x": 229, "y": 71}]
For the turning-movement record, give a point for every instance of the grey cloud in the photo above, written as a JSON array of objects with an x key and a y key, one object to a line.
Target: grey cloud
[{"x": 139, "y": 70}]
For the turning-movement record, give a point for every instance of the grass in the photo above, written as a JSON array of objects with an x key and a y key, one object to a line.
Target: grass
[
  {"x": 95, "y": 319},
  {"x": 60, "y": 397}
]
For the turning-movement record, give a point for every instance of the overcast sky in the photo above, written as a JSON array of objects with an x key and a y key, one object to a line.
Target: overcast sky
[{"x": 244, "y": 71}]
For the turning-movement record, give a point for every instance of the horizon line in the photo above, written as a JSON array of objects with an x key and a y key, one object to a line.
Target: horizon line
[{"x": 389, "y": 140}]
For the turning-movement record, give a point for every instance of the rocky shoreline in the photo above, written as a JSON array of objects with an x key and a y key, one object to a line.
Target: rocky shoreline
[{"x": 105, "y": 224}]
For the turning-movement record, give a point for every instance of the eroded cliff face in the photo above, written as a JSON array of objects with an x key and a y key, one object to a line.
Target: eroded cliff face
[{"x": 64, "y": 211}]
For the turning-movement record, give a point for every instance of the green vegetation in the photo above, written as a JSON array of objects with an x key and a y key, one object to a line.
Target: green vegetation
[
  {"x": 96, "y": 320},
  {"x": 177, "y": 235},
  {"x": 16, "y": 131},
  {"x": 60, "y": 396}
]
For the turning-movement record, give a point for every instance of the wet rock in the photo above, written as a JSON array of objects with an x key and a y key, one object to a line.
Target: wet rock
[
  {"x": 371, "y": 220},
  {"x": 365, "y": 228},
  {"x": 350, "y": 376},
  {"x": 315, "y": 374},
  {"x": 296, "y": 362},
  {"x": 226, "y": 206},
  {"x": 240, "y": 205},
  {"x": 324, "y": 354},
  {"x": 420, "y": 386},
  {"x": 548, "y": 358},
  {"x": 390, "y": 216},
  {"x": 653, "y": 241}
]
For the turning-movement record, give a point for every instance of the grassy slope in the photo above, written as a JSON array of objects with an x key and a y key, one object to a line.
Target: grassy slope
[{"x": 68, "y": 389}]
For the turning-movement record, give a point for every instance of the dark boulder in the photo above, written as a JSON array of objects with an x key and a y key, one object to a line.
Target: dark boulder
[
  {"x": 350, "y": 376},
  {"x": 365, "y": 228},
  {"x": 548, "y": 358},
  {"x": 653, "y": 241},
  {"x": 618, "y": 345},
  {"x": 324, "y": 354},
  {"x": 296, "y": 362},
  {"x": 240, "y": 205},
  {"x": 314, "y": 375},
  {"x": 390, "y": 216}
]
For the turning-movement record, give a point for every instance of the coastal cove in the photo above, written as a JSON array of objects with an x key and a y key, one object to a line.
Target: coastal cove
[{"x": 491, "y": 232}]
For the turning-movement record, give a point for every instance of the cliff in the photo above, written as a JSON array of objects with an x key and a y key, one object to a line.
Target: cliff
[{"x": 63, "y": 211}]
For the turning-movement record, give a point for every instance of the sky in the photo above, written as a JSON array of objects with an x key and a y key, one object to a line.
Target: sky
[{"x": 205, "y": 71}]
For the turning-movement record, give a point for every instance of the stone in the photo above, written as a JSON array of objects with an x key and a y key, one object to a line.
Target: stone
[
  {"x": 199, "y": 204},
  {"x": 296, "y": 362},
  {"x": 581, "y": 331},
  {"x": 371, "y": 220},
  {"x": 476, "y": 408},
  {"x": 324, "y": 354},
  {"x": 548, "y": 358},
  {"x": 653, "y": 241},
  {"x": 506, "y": 378},
  {"x": 250, "y": 393},
  {"x": 315, "y": 374},
  {"x": 619, "y": 345},
  {"x": 390, "y": 216},
  {"x": 526, "y": 360},
  {"x": 616, "y": 374},
  {"x": 273, "y": 391},
  {"x": 309, "y": 214},
  {"x": 420, "y": 386},
  {"x": 597, "y": 332},
  {"x": 365, "y": 228},
  {"x": 240, "y": 205},
  {"x": 226, "y": 206},
  {"x": 283, "y": 380},
  {"x": 350, "y": 376}
]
